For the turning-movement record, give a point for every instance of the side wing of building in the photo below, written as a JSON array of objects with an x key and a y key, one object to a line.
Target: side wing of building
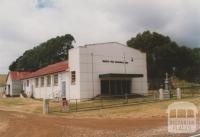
[{"x": 47, "y": 86}]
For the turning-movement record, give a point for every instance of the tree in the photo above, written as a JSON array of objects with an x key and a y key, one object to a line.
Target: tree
[
  {"x": 164, "y": 55},
  {"x": 51, "y": 51}
]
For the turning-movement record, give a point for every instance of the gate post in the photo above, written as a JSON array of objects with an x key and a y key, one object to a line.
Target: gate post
[
  {"x": 45, "y": 106},
  {"x": 161, "y": 94},
  {"x": 178, "y": 93},
  {"x": 126, "y": 98},
  {"x": 65, "y": 105}
]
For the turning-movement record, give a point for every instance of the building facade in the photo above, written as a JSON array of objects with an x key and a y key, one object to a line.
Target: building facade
[
  {"x": 91, "y": 70},
  {"x": 107, "y": 68}
]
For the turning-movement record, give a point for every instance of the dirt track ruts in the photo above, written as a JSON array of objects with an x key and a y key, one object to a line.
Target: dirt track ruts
[{"x": 30, "y": 125}]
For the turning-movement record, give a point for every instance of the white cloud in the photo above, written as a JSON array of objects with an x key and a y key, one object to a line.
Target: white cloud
[{"x": 26, "y": 23}]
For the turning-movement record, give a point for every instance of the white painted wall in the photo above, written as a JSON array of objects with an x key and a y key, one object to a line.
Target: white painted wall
[
  {"x": 80, "y": 60},
  {"x": 74, "y": 65},
  {"x": 8, "y": 82},
  {"x": 47, "y": 91}
]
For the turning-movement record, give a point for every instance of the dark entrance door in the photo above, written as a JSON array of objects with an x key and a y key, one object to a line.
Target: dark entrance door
[
  {"x": 116, "y": 87},
  {"x": 8, "y": 90},
  {"x": 32, "y": 90}
]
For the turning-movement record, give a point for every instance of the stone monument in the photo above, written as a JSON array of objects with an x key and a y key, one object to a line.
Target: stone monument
[{"x": 166, "y": 92}]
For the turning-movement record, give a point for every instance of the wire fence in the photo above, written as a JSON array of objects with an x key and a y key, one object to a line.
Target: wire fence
[{"x": 102, "y": 102}]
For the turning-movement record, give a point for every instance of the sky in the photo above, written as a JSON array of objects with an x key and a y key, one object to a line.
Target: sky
[{"x": 27, "y": 23}]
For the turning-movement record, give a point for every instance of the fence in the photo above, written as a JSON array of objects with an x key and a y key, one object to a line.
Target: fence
[
  {"x": 103, "y": 102},
  {"x": 107, "y": 102}
]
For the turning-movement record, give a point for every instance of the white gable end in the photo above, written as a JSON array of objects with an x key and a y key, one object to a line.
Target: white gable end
[{"x": 97, "y": 59}]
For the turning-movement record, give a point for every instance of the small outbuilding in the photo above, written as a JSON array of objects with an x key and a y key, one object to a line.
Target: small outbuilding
[{"x": 14, "y": 83}]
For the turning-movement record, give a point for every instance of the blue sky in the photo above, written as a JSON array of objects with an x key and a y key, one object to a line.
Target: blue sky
[
  {"x": 45, "y": 4},
  {"x": 26, "y": 23}
]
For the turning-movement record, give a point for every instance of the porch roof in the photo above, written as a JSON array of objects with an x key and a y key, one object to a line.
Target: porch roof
[{"x": 120, "y": 75}]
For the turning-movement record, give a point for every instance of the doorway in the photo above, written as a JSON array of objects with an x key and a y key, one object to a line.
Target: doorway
[
  {"x": 8, "y": 90},
  {"x": 116, "y": 87},
  {"x": 63, "y": 94},
  {"x": 32, "y": 90}
]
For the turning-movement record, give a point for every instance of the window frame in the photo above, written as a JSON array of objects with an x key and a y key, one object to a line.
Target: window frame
[
  {"x": 36, "y": 82},
  {"x": 55, "y": 81},
  {"x": 27, "y": 83},
  {"x": 48, "y": 80},
  {"x": 24, "y": 84},
  {"x": 42, "y": 81},
  {"x": 73, "y": 77}
]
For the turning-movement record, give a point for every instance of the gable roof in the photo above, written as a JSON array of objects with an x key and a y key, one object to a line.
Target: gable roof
[
  {"x": 16, "y": 75},
  {"x": 50, "y": 69},
  {"x": 117, "y": 43}
]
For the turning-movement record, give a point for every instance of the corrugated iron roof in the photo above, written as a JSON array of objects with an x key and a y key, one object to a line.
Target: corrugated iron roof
[
  {"x": 16, "y": 75},
  {"x": 50, "y": 69}
]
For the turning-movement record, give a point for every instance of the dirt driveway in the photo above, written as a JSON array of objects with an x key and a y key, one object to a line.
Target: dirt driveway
[{"x": 18, "y": 124}]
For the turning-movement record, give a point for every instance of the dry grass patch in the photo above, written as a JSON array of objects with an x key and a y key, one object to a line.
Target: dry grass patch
[
  {"x": 2, "y": 79},
  {"x": 146, "y": 110},
  {"x": 19, "y": 104}
]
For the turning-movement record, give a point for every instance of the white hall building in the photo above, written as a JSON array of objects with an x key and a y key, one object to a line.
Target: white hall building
[{"x": 91, "y": 70}]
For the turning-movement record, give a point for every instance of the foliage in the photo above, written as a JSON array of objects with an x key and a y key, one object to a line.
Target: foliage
[
  {"x": 51, "y": 51},
  {"x": 165, "y": 55}
]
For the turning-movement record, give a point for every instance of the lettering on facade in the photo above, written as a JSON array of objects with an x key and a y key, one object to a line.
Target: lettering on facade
[{"x": 113, "y": 61}]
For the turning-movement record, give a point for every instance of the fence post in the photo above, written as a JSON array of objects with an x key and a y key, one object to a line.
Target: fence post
[
  {"x": 76, "y": 105},
  {"x": 65, "y": 104},
  {"x": 69, "y": 106},
  {"x": 45, "y": 106},
  {"x": 192, "y": 92},
  {"x": 101, "y": 103},
  {"x": 126, "y": 98},
  {"x": 178, "y": 93},
  {"x": 154, "y": 95},
  {"x": 161, "y": 94}
]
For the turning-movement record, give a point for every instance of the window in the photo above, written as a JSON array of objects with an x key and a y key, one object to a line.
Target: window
[
  {"x": 73, "y": 77},
  {"x": 55, "y": 79},
  {"x": 42, "y": 82},
  {"x": 24, "y": 84},
  {"x": 132, "y": 59},
  {"x": 27, "y": 83},
  {"x": 49, "y": 80},
  {"x": 36, "y": 82}
]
